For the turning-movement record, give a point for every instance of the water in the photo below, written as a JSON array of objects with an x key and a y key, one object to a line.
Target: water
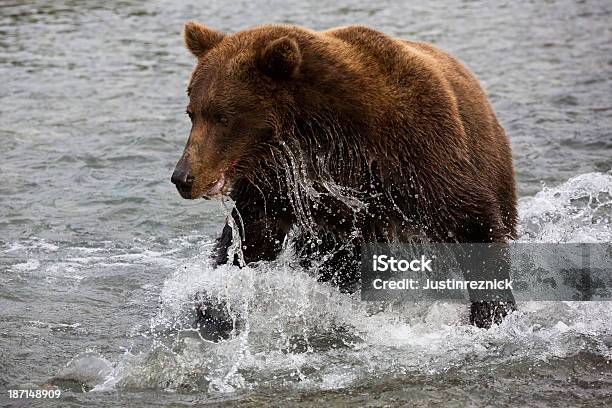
[{"x": 99, "y": 256}]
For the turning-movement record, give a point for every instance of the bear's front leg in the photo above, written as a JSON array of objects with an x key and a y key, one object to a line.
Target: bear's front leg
[
  {"x": 260, "y": 239},
  {"x": 333, "y": 259},
  {"x": 219, "y": 252},
  {"x": 489, "y": 308}
]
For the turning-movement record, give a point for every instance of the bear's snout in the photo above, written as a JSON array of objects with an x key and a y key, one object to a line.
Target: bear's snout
[{"x": 183, "y": 180}]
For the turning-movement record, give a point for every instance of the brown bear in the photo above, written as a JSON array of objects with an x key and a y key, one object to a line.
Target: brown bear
[{"x": 342, "y": 137}]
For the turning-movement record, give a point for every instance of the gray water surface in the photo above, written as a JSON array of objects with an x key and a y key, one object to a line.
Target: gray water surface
[{"x": 99, "y": 256}]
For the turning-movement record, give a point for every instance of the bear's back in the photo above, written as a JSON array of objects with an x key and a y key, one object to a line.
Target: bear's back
[
  {"x": 403, "y": 61},
  {"x": 419, "y": 75}
]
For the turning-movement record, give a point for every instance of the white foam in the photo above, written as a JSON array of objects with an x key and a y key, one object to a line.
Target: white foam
[{"x": 29, "y": 265}]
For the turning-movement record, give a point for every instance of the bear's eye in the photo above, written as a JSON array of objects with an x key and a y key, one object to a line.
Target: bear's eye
[
  {"x": 221, "y": 119},
  {"x": 190, "y": 114}
]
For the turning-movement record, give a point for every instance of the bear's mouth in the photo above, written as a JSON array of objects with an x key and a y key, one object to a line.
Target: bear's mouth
[
  {"x": 217, "y": 187},
  {"x": 223, "y": 183}
]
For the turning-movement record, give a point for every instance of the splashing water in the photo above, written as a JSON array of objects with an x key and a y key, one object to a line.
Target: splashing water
[
  {"x": 302, "y": 188},
  {"x": 578, "y": 211},
  {"x": 303, "y": 335}
]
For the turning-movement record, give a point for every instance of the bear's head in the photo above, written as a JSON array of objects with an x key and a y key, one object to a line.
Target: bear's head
[{"x": 239, "y": 94}]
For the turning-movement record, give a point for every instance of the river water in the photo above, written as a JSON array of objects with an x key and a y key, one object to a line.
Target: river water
[{"x": 99, "y": 256}]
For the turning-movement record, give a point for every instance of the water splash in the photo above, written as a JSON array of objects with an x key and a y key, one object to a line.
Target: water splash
[
  {"x": 307, "y": 181},
  {"x": 234, "y": 251},
  {"x": 579, "y": 210},
  {"x": 303, "y": 335}
]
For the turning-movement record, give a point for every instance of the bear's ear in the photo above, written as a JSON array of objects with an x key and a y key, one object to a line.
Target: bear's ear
[
  {"x": 281, "y": 58},
  {"x": 200, "y": 39}
]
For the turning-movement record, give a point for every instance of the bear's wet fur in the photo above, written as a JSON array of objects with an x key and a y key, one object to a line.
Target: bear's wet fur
[{"x": 342, "y": 137}]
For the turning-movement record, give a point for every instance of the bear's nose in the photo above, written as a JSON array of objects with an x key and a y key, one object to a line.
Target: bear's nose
[{"x": 182, "y": 179}]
